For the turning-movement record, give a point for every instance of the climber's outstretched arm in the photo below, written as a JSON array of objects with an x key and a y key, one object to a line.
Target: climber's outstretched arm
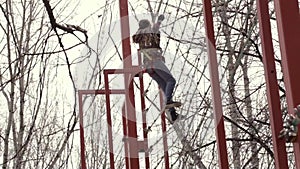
[{"x": 156, "y": 26}]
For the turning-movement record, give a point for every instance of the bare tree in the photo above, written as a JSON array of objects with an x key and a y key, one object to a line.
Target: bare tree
[
  {"x": 26, "y": 85},
  {"x": 39, "y": 118}
]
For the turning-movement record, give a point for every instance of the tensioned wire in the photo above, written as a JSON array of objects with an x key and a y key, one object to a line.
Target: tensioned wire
[{"x": 186, "y": 60}]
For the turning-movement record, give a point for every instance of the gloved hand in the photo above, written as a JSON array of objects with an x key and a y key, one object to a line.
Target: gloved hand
[
  {"x": 290, "y": 130},
  {"x": 160, "y": 18}
]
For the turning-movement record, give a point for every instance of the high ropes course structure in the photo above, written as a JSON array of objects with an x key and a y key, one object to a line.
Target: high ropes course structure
[{"x": 288, "y": 24}]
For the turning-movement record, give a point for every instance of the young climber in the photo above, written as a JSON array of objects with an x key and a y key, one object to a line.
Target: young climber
[{"x": 148, "y": 38}]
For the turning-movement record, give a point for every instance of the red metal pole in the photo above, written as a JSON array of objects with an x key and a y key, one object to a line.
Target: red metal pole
[
  {"x": 132, "y": 129},
  {"x": 109, "y": 124},
  {"x": 144, "y": 115},
  {"x": 125, "y": 33},
  {"x": 129, "y": 93},
  {"x": 288, "y": 23},
  {"x": 145, "y": 132},
  {"x": 215, "y": 83},
  {"x": 81, "y": 128},
  {"x": 124, "y": 119},
  {"x": 165, "y": 141},
  {"x": 271, "y": 84},
  {"x": 164, "y": 132}
]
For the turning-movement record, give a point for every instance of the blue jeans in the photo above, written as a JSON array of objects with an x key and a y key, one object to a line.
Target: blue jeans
[{"x": 162, "y": 75}]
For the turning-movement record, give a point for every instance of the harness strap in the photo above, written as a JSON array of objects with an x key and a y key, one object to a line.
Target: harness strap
[
  {"x": 151, "y": 58},
  {"x": 147, "y": 55}
]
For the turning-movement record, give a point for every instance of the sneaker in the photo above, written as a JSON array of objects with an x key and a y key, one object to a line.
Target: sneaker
[
  {"x": 171, "y": 104},
  {"x": 173, "y": 116}
]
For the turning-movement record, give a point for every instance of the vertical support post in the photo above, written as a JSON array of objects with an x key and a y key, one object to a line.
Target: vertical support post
[
  {"x": 215, "y": 83},
  {"x": 165, "y": 141},
  {"x": 124, "y": 119},
  {"x": 81, "y": 128},
  {"x": 128, "y": 79},
  {"x": 144, "y": 115},
  {"x": 288, "y": 21},
  {"x": 164, "y": 131},
  {"x": 109, "y": 124},
  {"x": 131, "y": 122},
  {"x": 144, "y": 119},
  {"x": 125, "y": 33},
  {"x": 271, "y": 84}
]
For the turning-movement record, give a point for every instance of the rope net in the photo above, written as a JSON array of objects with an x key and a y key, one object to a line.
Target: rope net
[{"x": 191, "y": 141}]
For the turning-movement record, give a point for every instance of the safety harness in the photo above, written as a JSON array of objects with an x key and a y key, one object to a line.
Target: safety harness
[{"x": 149, "y": 41}]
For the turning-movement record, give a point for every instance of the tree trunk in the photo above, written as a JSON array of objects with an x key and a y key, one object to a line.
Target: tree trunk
[{"x": 231, "y": 84}]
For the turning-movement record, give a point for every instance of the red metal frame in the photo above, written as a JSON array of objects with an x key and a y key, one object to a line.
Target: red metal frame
[
  {"x": 81, "y": 126},
  {"x": 164, "y": 129},
  {"x": 129, "y": 96},
  {"x": 143, "y": 107},
  {"x": 125, "y": 134},
  {"x": 129, "y": 142},
  {"x": 288, "y": 23},
  {"x": 81, "y": 129},
  {"x": 215, "y": 83},
  {"x": 271, "y": 84},
  {"x": 108, "y": 116},
  {"x": 129, "y": 119}
]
